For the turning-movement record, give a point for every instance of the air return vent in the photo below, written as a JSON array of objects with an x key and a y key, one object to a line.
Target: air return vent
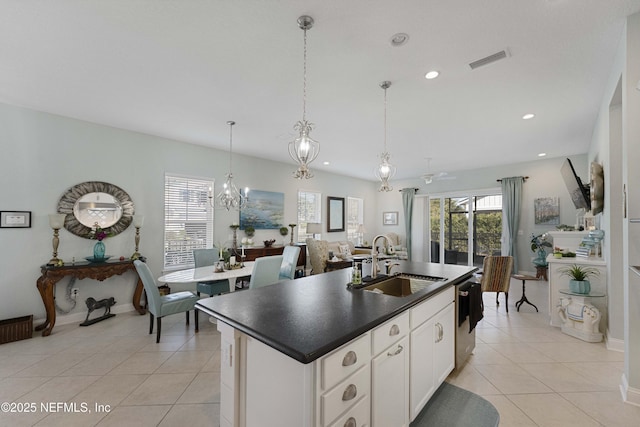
[{"x": 489, "y": 59}]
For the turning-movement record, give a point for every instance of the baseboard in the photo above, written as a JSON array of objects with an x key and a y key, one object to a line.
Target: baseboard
[
  {"x": 81, "y": 316},
  {"x": 614, "y": 344},
  {"x": 629, "y": 394}
]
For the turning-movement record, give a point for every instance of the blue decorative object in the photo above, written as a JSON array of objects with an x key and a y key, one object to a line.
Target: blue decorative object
[{"x": 98, "y": 251}]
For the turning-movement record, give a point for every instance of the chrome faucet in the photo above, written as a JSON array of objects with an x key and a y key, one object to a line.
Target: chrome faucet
[{"x": 374, "y": 255}]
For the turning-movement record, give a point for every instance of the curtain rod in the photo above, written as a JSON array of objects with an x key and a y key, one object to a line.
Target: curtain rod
[
  {"x": 414, "y": 189},
  {"x": 524, "y": 178}
]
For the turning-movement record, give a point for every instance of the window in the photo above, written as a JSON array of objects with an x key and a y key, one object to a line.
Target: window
[
  {"x": 355, "y": 217},
  {"x": 188, "y": 219},
  {"x": 309, "y": 210},
  {"x": 463, "y": 223}
]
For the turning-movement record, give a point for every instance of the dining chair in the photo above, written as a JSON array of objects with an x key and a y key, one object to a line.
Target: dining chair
[
  {"x": 203, "y": 258},
  {"x": 266, "y": 271},
  {"x": 161, "y": 306},
  {"x": 496, "y": 276},
  {"x": 290, "y": 256}
]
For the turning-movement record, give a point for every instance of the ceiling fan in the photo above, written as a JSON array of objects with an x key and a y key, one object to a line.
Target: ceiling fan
[{"x": 430, "y": 177}]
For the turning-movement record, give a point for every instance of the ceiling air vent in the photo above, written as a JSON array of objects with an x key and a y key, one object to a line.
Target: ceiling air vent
[{"x": 489, "y": 59}]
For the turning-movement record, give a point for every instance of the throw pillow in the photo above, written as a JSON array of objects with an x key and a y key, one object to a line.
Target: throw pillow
[{"x": 344, "y": 250}]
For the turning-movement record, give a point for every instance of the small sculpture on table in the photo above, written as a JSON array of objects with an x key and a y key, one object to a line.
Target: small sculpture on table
[
  {"x": 92, "y": 305},
  {"x": 579, "y": 319}
]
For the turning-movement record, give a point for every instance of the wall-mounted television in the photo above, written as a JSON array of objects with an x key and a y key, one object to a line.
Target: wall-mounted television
[{"x": 579, "y": 192}]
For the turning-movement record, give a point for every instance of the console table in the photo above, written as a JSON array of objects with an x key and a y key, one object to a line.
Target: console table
[
  {"x": 80, "y": 270},
  {"x": 253, "y": 252}
]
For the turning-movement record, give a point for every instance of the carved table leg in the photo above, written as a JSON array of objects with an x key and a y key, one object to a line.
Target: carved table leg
[
  {"x": 137, "y": 295},
  {"x": 45, "y": 287}
]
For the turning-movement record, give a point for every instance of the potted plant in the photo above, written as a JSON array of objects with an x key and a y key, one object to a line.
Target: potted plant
[
  {"x": 579, "y": 276},
  {"x": 249, "y": 231},
  {"x": 538, "y": 245}
]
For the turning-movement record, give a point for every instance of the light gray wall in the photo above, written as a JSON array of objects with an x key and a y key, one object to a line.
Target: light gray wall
[{"x": 44, "y": 154}]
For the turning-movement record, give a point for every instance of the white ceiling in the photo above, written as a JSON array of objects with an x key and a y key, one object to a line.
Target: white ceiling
[{"x": 181, "y": 69}]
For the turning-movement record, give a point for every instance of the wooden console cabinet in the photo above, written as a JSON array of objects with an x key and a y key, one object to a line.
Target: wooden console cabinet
[{"x": 255, "y": 252}]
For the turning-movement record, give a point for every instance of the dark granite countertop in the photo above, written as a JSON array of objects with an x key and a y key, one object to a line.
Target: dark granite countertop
[{"x": 307, "y": 318}]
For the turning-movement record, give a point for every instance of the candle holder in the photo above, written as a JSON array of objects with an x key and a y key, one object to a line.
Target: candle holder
[
  {"x": 292, "y": 227},
  {"x": 137, "y": 223},
  {"x": 234, "y": 227},
  {"x": 56, "y": 221}
]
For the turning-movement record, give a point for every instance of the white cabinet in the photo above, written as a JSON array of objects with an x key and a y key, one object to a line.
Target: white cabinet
[
  {"x": 432, "y": 343},
  {"x": 390, "y": 373}
]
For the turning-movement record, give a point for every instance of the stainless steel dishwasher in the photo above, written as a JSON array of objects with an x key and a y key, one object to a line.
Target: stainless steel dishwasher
[{"x": 465, "y": 338}]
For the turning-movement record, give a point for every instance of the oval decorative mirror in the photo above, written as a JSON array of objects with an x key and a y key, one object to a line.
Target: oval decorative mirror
[{"x": 95, "y": 202}]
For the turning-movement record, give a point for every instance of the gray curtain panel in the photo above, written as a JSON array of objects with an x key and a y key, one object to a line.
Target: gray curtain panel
[
  {"x": 407, "y": 203},
  {"x": 511, "y": 205}
]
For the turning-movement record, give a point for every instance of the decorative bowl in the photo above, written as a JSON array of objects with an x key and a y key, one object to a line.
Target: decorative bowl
[{"x": 268, "y": 243}]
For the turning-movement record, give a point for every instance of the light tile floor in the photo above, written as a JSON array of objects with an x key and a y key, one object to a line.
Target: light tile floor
[{"x": 117, "y": 375}]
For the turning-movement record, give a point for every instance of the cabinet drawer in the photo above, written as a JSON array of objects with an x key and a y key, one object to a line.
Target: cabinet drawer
[
  {"x": 344, "y": 395},
  {"x": 358, "y": 416},
  {"x": 422, "y": 312},
  {"x": 344, "y": 361},
  {"x": 390, "y": 332}
]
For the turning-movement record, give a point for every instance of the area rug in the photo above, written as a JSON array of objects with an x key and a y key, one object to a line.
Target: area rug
[{"x": 452, "y": 406}]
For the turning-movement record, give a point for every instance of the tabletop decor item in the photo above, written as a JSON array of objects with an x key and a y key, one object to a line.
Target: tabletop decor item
[
  {"x": 235, "y": 227},
  {"x": 97, "y": 233},
  {"x": 579, "y": 276},
  {"x": 56, "y": 222},
  {"x": 138, "y": 220},
  {"x": 283, "y": 232},
  {"x": 292, "y": 227},
  {"x": 538, "y": 245},
  {"x": 269, "y": 243}
]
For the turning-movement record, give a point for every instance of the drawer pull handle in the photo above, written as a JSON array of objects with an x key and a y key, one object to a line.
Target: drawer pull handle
[
  {"x": 398, "y": 351},
  {"x": 350, "y": 358},
  {"x": 395, "y": 330},
  {"x": 351, "y": 422},
  {"x": 350, "y": 392}
]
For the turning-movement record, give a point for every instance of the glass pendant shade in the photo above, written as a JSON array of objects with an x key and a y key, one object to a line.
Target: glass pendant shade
[
  {"x": 385, "y": 170},
  {"x": 304, "y": 149},
  {"x": 230, "y": 196}
]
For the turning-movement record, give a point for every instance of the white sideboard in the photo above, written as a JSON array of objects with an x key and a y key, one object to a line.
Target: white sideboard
[{"x": 558, "y": 281}]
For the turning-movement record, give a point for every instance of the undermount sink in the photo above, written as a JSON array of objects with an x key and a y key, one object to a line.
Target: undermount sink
[{"x": 402, "y": 285}]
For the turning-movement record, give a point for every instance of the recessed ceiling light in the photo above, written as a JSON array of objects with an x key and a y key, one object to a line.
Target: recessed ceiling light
[
  {"x": 528, "y": 116},
  {"x": 542, "y": 154},
  {"x": 325, "y": 163},
  {"x": 432, "y": 74},
  {"x": 399, "y": 39}
]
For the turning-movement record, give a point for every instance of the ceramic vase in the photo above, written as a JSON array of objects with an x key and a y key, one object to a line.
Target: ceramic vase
[
  {"x": 580, "y": 287},
  {"x": 98, "y": 251}
]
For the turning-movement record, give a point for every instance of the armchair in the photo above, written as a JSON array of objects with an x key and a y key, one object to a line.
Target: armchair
[
  {"x": 396, "y": 247},
  {"x": 318, "y": 254}
]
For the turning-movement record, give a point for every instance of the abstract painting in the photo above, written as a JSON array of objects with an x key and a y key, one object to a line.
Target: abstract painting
[
  {"x": 264, "y": 210},
  {"x": 547, "y": 211}
]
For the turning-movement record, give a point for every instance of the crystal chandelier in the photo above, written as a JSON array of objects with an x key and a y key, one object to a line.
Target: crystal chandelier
[
  {"x": 385, "y": 170},
  {"x": 230, "y": 196},
  {"x": 304, "y": 149}
]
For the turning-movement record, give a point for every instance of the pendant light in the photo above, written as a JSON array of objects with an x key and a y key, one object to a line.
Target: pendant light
[
  {"x": 304, "y": 149},
  {"x": 230, "y": 197},
  {"x": 385, "y": 170}
]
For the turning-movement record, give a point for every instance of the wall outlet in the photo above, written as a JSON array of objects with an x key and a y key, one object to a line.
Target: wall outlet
[{"x": 74, "y": 292}]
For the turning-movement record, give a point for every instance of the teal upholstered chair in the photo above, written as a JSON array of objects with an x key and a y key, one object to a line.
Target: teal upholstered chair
[
  {"x": 266, "y": 271},
  {"x": 289, "y": 262},
  {"x": 160, "y": 306},
  {"x": 203, "y": 258}
]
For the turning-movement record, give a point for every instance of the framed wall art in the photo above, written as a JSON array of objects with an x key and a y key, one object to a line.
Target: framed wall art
[
  {"x": 390, "y": 218},
  {"x": 15, "y": 219},
  {"x": 547, "y": 211},
  {"x": 264, "y": 210}
]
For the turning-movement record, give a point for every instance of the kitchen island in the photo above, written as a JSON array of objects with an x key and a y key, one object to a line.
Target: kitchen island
[{"x": 308, "y": 352}]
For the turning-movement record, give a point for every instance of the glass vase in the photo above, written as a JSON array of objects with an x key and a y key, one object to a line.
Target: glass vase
[
  {"x": 541, "y": 259},
  {"x": 98, "y": 251}
]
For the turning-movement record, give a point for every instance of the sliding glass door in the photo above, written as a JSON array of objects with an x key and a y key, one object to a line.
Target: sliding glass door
[{"x": 464, "y": 228}]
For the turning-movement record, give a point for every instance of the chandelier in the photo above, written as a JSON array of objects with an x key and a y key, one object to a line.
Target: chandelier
[
  {"x": 304, "y": 149},
  {"x": 230, "y": 196},
  {"x": 385, "y": 170}
]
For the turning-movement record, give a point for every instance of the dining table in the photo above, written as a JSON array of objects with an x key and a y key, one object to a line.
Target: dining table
[{"x": 208, "y": 273}]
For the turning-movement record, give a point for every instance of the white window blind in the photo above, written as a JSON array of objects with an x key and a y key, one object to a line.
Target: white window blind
[
  {"x": 309, "y": 210},
  {"x": 188, "y": 219}
]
